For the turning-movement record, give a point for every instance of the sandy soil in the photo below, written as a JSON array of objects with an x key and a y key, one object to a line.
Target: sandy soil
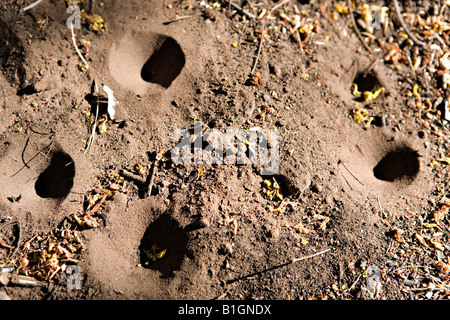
[{"x": 346, "y": 187}]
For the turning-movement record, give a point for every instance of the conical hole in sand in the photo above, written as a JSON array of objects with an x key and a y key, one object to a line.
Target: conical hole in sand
[
  {"x": 165, "y": 64},
  {"x": 401, "y": 164},
  {"x": 56, "y": 181},
  {"x": 166, "y": 234}
]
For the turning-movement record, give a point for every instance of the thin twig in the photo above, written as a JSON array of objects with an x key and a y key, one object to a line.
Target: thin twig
[
  {"x": 32, "y": 158},
  {"x": 299, "y": 40},
  {"x": 42, "y": 133},
  {"x": 342, "y": 162},
  {"x": 278, "y": 5},
  {"x": 354, "y": 283},
  {"x": 23, "y": 153},
  {"x": 355, "y": 27},
  {"x": 277, "y": 266},
  {"x": 177, "y": 19},
  {"x": 234, "y": 5},
  {"x": 402, "y": 22},
  {"x": 151, "y": 177},
  {"x": 372, "y": 64},
  {"x": 259, "y": 52},
  {"x": 131, "y": 176}
]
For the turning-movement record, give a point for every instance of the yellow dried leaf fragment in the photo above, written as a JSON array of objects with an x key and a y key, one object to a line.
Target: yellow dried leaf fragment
[
  {"x": 161, "y": 254},
  {"x": 355, "y": 90},
  {"x": 341, "y": 7},
  {"x": 361, "y": 116},
  {"x": 102, "y": 127},
  {"x": 366, "y": 13},
  {"x": 155, "y": 253},
  {"x": 323, "y": 221},
  {"x": 140, "y": 170},
  {"x": 445, "y": 160},
  {"x": 416, "y": 90},
  {"x": 272, "y": 189},
  {"x": 368, "y": 95},
  {"x": 94, "y": 21}
]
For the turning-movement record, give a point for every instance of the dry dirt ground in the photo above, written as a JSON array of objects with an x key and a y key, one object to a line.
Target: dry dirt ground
[{"x": 365, "y": 191}]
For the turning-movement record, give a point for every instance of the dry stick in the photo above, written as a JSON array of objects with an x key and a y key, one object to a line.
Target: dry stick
[
  {"x": 342, "y": 162},
  {"x": 150, "y": 177},
  {"x": 259, "y": 52},
  {"x": 408, "y": 32},
  {"x": 381, "y": 208},
  {"x": 32, "y": 158},
  {"x": 23, "y": 153},
  {"x": 278, "y": 5},
  {"x": 250, "y": 15},
  {"x": 131, "y": 176},
  {"x": 299, "y": 40},
  {"x": 346, "y": 181},
  {"x": 277, "y": 266},
  {"x": 370, "y": 67},
  {"x": 177, "y": 19},
  {"x": 355, "y": 27}
]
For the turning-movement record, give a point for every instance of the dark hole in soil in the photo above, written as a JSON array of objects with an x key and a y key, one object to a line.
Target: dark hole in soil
[
  {"x": 286, "y": 188},
  {"x": 165, "y": 64},
  {"x": 94, "y": 101},
  {"x": 164, "y": 233},
  {"x": 369, "y": 82},
  {"x": 57, "y": 180},
  {"x": 28, "y": 90},
  {"x": 401, "y": 164}
]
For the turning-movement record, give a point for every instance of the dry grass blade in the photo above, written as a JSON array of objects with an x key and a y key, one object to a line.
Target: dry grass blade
[
  {"x": 86, "y": 66},
  {"x": 278, "y": 266},
  {"x": 402, "y": 22},
  {"x": 91, "y": 138},
  {"x": 31, "y": 6},
  {"x": 355, "y": 26}
]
